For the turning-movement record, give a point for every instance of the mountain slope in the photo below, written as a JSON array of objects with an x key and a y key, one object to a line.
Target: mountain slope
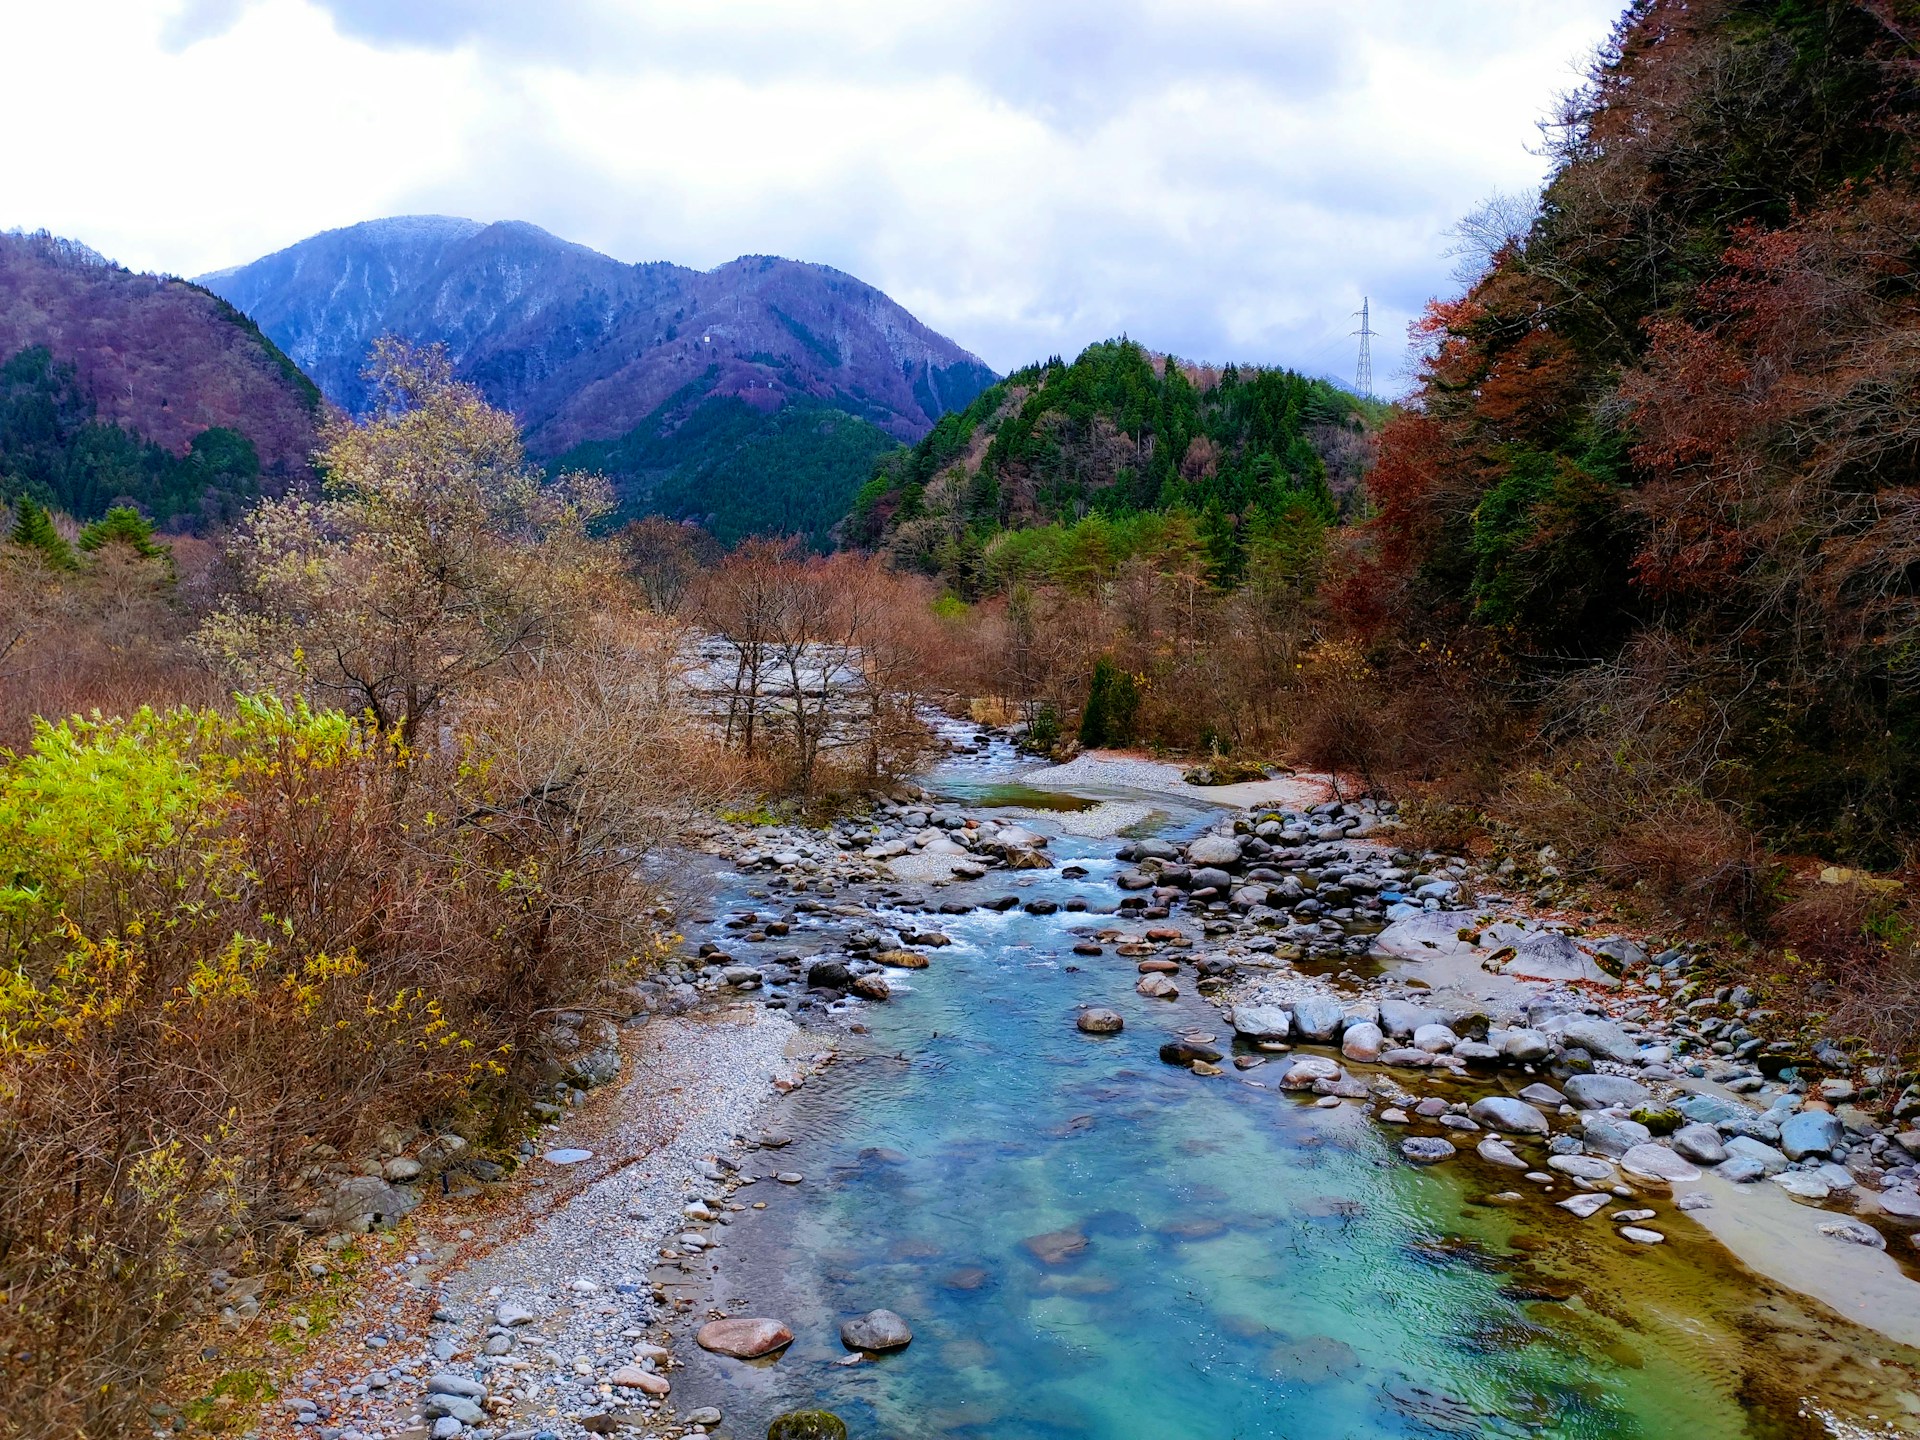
[
  {"x": 583, "y": 347},
  {"x": 1117, "y": 434},
  {"x": 115, "y": 385}
]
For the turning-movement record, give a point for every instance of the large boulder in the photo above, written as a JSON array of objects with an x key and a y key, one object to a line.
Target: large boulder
[
  {"x": 743, "y": 1337},
  {"x": 1606, "y": 1135},
  {"x": 1319, "y": 1017},
  {"x": 1362, "y": 1041},
  {"x": 1262, "y": 1022},
  {"x": 1522, "y": 1046},
  {"x": 1657, "y": 1162},
  {"x": 1514, "y": 1117},
  {"x": 1811, "y": 1132},
  {"x": 1598, "y": 1092},
  {"x": 1308, "y": 1070},
  {"x": 1700, "y": 1143},
  {"x": 1600, "y": 1037},
  {"x": 1550, "y": 955},
  {"x": 1401, "y": 1018},
  {"x": 1755, "y": 1152},
  {"x": 366, "y": 1202},
  {"x": 1434, "y": 1038},
  {"x": 1220, "y": 850}
]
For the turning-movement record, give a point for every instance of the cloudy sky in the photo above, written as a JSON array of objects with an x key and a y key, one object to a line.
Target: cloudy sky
[{"x": 1222, "y": 178}]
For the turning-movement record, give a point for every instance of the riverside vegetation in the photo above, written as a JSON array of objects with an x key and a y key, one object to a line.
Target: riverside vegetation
[{"x": 320, "y": 892}]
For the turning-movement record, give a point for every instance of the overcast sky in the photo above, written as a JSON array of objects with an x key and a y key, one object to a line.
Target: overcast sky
[{"x": 1222, "y": 178}]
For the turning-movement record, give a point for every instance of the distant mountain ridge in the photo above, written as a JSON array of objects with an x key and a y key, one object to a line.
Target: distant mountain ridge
[
  {"x": 117, "y": 386},
  {"x": 582, "y": 347}
]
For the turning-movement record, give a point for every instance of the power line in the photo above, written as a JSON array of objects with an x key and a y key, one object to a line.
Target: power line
[{"x": 1363, "y": 376}]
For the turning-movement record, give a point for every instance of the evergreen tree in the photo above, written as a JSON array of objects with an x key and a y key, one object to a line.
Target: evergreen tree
[
  {"x": 122, "y": 525},
  {"x": 33, "y": 528}
]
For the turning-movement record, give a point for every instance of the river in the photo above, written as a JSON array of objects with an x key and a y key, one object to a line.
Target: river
[{"x": 1092, "y": 1245}]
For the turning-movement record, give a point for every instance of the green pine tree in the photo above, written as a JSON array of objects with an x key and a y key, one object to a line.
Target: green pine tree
[
  {"x": 33, "y": 528},
  {"x": 122, "y": 525}
]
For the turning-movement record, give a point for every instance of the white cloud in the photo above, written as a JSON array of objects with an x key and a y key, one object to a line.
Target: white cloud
[{"x": 1225, "y": 179}]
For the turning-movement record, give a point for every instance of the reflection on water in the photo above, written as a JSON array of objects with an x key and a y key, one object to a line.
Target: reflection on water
[{"x": 1091, "y": 1244}]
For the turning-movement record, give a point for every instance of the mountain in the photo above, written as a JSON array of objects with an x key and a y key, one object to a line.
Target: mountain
[
  {"x": 586, "y": 349},
  {"x": 1234, "y": 455},
  {"x": 121, "y": 386}
]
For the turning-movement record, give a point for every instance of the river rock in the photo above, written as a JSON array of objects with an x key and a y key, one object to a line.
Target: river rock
[
  {"x": 1101, "y": 1022},
  {"x": 1550, "y": 955},
  {"x": 1221, "y": 850},
  {"x": 1210, "y": 877},
  {"x": 1700, "y": 1143},
  {"x": 366, "y": 1202},
  {"x": 903, "y": 959},
  {"x": 1586, "y": 1206},
  {"x": 632, "y": 1377},
  {"x": 1582, "y": 1167},
  {"x": 1262, "y": 1022},
  {"x": 1600, "y": 1037},
  {"x": 1900, "y": 1201},
  {"x": 876, "y": 1332},
  {"x": 1811, "y": 1132},
  {"x": 828, "y": 975},
  {"x": 1056, "y": 1247},
  {"x": 1319, "y": 1017},
  {"x": 1157, "y": 987},
  {"x": 1515, "y": 1117},
  {"x": 1185, "y": 1052},
  {"x": 1745, "y": 1147},
  {"x": 872, "y": 987},
  {"x": 1401, "y": 1018},
  {"x": 1525, "y": 1047},
  {"x": 1434, "y": 1038},
  {"x": 1803, "y": 1184},
  {"x": 1540, "y": 1093},
  {"x": 1642, "y": 1236},
  {"x": 1852, "y": 1232},
  {"x": 1657, "y": 1162},
  {"x": 1712, "y": 1109},
  {"x": 1427, "y": 1149},
  {"x": 1362, "y": 1041},
  {"x": 808, "y": 1425},
  {"x": 1598, "y": 1092},
  {"x": 1610, "y": 1135},
  {"x": 1304, "y": 1072},
  {"x": 744, "y": 1338},
  {"x": 1498, "y": 1152}
]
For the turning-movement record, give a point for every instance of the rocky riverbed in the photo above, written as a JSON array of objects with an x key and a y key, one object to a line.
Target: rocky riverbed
[{"x": 1566, "y": 1089}]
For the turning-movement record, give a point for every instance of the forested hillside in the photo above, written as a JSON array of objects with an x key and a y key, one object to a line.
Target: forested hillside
[
  {"x": 1661, "y": 468},
  {"x": 1063, "y": 466},
  {"x": 117, "y": 387}
]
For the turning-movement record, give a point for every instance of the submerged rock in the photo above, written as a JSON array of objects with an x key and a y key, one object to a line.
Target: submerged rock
[
  {"x": 876, "y": 1332},
  {"x": 1427, "y": 1149},
  {"x": 744, "y": 1338},
  {"x": 1515, "y": 1117},
  {"x": 808, "y": 1425}
]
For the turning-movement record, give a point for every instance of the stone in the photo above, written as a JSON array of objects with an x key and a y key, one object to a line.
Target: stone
[
  {"x": 1657, "y": 1162},
  {"x": 1362, "y": 1040},
  {"x": 1222, "y": 850},
  {"x": 707, "y": 1416},
  {"x": 1513, "y": 1117},
  {"x": 1700, "y": 1143},
  {"x": 1811, "y": 1132},
  {"x": 1586, "y": 1206},
  {"x": 1427, "y": 1149},
  {"x": 1056, "y": 1247},
  {"x": 1100, "y": 1022},
  {"x": 445, "y": 1384},
  {"x": 1262, "y": 1022},
  {"x": 872, "y": 987},
  {"x": 567, "y": 1155},
  {"x": 1434, "y": 1038},
  {"x": 367, "y": 1202},
  {"x": 876, "y": 1332},
  {"x": 1741, "y": 1170},
  {"x": 1900, "y": 1201},
  {"x": 903, "y": 959},
  {"x": 1599, "y": 1092},
  {"x": 1694, "y": 1201},
  {"x": 1712, "y": 1110},
  {"x": 632, "y": 1377},
  {"x": 1852, "y": 1232},
  {"x": 1550, "y": 955},
  {"x": 1498, "y": 1152},
  {"x": 1304, "y": 1072},
  {"x": 1642, "y": 1236},
  {"x": 1185, "y": 1052},
  {"x": 1600, "y": 1038},
  {"x": 1608, "y": 1135},
  {"x": 1803, "y": 1185},
  {"x": 1523, "y": 1046},
  {"x": 807, "y": 1425},
  {"x": 1401, "y": 1018},
  {"x": 744, "y": 1338},
  {"x": 1582, "y": 1167},
  {"x": 455, "y": 1407},
  {"x": 1319, "y": 1017},
  {"x": 446, "y": 1427},
  {"x": 1157, "y": 987},
  {"x": 1745, "y": 1147},
  {"x": 513, "y": 1312}
]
